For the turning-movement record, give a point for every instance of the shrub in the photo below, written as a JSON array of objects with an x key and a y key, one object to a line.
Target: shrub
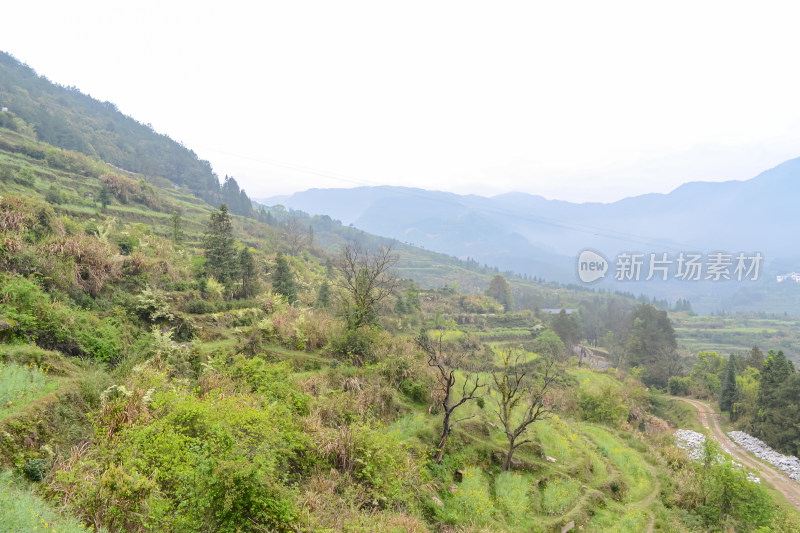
[
  {"x": 355, "y": 345},
  {"x": 271, "y": 380},
  {"x": 35, "y": 469},
  {"x": 55, "y": 325},
  {"x": 376, "y": 459},
  {"x": 153, "y": 306},
  {"x": 127, "y": 243},
  {"x": 679, "y": 386},
  {"x": 26, "y": 175},
  {"x": 221, "y": 461},
  {"x": 605, "y": 407},
  {"x": 93, "y": 262},
  {"x": 198, "y": 307}
]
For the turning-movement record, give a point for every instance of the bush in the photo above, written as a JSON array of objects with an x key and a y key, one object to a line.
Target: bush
[
  {"x": 379, "y": 460},
  {"x": 355, "y": 345},
  {"x": 54, "y": 325},
  {"x": 222, "y": 462},
  {"x": 153, "y": 306},
  {"x": 55, "y": 195},
  {"x": 678, "y": 386},
  {"x": 605, "y": 407},
  {"x": 271, "y": 380},
  {"x": 35, "y": 469},
  {"x": 26, "y": 175},
  {"x": 199, "y": 307},
  {"x": 127, "y": 243}
]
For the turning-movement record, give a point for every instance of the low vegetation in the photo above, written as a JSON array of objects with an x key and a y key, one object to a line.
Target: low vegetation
[{"x": 171, "y": 366}]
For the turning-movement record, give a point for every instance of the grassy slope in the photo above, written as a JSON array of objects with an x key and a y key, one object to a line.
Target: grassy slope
[{"x": 602, "y": 477}]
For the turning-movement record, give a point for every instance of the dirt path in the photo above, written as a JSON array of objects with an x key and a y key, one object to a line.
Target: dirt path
[{"x": 710, "y": 420}]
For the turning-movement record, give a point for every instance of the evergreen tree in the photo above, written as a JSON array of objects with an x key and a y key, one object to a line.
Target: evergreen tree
[
  {"x": 283, "y": 279},
  {"x": 222, "y": 261},
  {"x": 176, "y": 227},
  {"x": 324, "y": 295},
  {"x": 755, "y": 358},
  {"x": 247, "y": 266},
  {"x": 104, "y": 197},
  {"x": 776, "y": 371},
  {"x": 651, "y": 344},
  {"x": 500, "y": 290},
  {"x": 727, "y": 393},
  {"x": 567, "y": 329},
  {"x": 777, "y": 403}
]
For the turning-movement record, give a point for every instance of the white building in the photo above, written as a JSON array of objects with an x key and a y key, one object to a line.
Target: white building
[{"x": 791, "y": 276}]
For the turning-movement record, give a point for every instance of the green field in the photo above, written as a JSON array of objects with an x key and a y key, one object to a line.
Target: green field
[{"x": 737, "y": 333}]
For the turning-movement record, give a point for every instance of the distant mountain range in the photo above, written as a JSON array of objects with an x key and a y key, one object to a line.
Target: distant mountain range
[{"x": 532, "y": 235}]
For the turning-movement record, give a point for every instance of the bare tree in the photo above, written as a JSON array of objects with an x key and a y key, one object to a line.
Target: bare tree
[
  {"x": 447, "y": 379},
  {"x": 521, "y": 400},
  {"x": 365, "y": 278},
  {"x": 296, "y": 237}
]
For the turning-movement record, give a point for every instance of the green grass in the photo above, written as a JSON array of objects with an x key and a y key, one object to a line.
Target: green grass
[
  {"x": 594, "y": 382},
  {"x": 682, "y": 414},
  {"x": 617, "y": 519},
  {"x": 631, "y": 465},
  {"x": 560, "y": 495},
  {"x": 411, "y": 425},
  {"x": 23, "y": 511},
  {"x": 20, "y": 385},
  {"x": 737, "y": 333},
  {"x": 557, "y": 441},
  {"x": 512, "y": 493},
  {"x": 472, "y": 502}
]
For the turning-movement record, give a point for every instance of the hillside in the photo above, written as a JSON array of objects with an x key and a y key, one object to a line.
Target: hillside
[
  {"x": 168, "y": 367},
  {"x": 66, "y": 118}
]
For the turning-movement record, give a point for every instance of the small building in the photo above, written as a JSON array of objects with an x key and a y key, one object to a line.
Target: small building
[
  {"x": 558, "y": 311},
  {"x": 3, "y": 109}
]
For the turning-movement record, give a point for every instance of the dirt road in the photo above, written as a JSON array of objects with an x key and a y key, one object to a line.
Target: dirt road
[{"x": 788, "y": 487}]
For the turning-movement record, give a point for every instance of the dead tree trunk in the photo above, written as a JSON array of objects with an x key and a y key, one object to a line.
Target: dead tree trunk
[{"x": 447, "y": 379}]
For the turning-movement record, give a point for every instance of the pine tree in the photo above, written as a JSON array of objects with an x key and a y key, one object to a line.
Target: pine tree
[
  {"x": 283, "y": 279},
  {"x": 727, "y": 393},
  {"x": 104, "y": 197},
  {"x": 247, "y": 266},
  {"x": 324, "y": 295}
]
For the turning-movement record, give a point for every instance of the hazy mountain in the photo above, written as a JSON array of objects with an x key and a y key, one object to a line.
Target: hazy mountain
[{"x": 530, "y": 234}]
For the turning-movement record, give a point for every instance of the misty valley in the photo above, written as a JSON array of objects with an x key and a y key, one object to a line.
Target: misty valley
[{"x": 177, "y": 356}]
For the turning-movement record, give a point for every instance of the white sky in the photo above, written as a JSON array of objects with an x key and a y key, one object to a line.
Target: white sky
[{"x": 572, "y": 100}]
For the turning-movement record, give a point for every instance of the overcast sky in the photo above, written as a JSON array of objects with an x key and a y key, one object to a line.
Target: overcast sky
[{"x": 571, "y": 100}]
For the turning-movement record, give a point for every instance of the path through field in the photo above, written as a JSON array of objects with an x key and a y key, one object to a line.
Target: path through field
[{"x": 710, "y": 420}]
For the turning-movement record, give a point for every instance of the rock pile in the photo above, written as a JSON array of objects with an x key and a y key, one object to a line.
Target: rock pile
[
  {"x": 788, "y": 463},
  {"x": 692, "y": 442}
]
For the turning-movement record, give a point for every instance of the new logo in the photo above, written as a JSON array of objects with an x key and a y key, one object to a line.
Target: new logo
[{"x": 591, "y": 266}]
